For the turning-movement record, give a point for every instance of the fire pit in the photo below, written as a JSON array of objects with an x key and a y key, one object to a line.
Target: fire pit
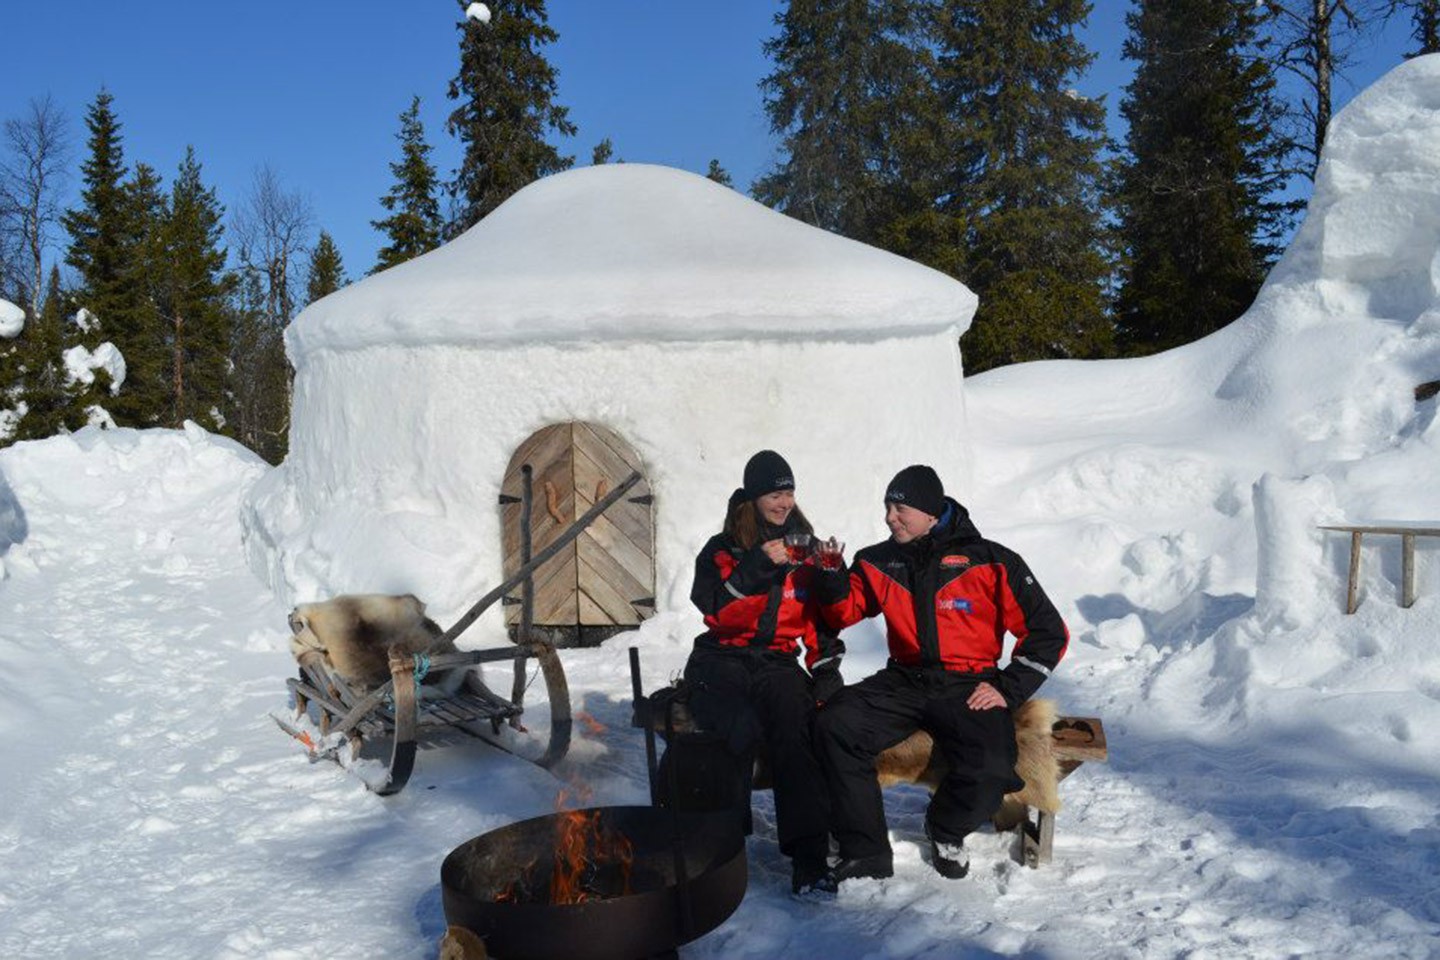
[{"x": 623, "y": 903}]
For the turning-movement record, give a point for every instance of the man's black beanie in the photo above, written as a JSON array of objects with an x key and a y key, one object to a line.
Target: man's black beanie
[
  {"x": 767, "y": 472},
  {"x": 918, "y": 486}
]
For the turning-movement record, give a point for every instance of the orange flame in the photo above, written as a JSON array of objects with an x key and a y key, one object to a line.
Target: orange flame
[
  {"x": 593, "y": 726},
  {"x": 588, "y": 856}
]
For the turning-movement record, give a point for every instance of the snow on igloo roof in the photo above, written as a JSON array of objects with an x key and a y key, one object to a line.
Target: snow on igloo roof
[{"x": 630, "y": 252}]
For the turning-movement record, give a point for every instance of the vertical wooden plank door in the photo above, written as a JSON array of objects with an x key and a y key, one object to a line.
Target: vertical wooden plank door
[{"x": 605, "y": 582}]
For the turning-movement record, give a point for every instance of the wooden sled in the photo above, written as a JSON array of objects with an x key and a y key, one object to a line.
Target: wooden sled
[
  {"x": 402, "y": 713},
  {"x": 336, "y": 721}
]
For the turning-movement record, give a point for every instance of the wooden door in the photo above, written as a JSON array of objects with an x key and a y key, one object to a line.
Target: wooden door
[{"x": 605, "y": 580}]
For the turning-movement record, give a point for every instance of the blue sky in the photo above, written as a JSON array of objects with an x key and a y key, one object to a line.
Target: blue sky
[{"x": 315, "y": 90}]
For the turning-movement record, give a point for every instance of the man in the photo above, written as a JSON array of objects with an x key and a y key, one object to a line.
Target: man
[{"x": 948, "y": 597}]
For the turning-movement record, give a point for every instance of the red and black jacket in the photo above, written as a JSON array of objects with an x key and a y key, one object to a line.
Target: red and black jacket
[
  {"x": 751, "y": 602},
  {"x": 948, "y": 599}
]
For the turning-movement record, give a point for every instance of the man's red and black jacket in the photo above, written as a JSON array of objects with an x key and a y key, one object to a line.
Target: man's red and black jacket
[
  {"x": 948, "y": 599},
  {"x": 750, "y": 601}
]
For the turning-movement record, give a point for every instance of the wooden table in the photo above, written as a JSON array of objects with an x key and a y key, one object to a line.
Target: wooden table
[{"x": 1407, "y": 532}]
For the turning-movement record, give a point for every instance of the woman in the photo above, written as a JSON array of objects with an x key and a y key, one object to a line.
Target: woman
[{"x": 747, "y": 686}]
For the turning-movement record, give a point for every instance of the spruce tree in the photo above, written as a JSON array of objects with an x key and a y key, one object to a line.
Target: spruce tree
[
  {"x": 414, "y": 224},
  {"x": 194, "y": 286},
  {"x": 506, "y": 103},
  {"x": 117, "y": 252},
  {"x": 97, "y": 227},
  {"x": 719, "y": 174},
  {"x": 1198, "y": 221},
  {"x": 50, "y": 407},
  {"x": 602, "y": 153},
  {"x": 1022, "y": 190},
  {"x": 134, "y": 323},
  {"x": 851, "y": 97},
  {"x": 325, "y": 272}
]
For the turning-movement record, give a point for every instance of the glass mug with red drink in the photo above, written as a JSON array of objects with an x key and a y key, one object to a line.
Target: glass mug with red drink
[
  {"x": 797, "y": 547},
  {"x": 830, "y": 554}
]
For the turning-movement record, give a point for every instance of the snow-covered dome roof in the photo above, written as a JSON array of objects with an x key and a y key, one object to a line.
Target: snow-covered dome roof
[{"x": 635, "y": 252}]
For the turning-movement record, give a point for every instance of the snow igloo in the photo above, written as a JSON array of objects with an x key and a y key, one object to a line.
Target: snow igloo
[{"x": 604, "y": 319}]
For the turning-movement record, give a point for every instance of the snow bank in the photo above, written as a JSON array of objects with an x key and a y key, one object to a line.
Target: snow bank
[{"x": 1173, "y": 502}]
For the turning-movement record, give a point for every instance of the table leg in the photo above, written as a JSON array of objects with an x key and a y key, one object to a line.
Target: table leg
[
  {"x": 1407, "y": 570},
  {"x": 1353, "y": 597}
]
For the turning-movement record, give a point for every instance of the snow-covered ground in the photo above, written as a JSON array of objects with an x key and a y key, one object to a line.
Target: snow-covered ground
[{"x": 1275, "y": 764}]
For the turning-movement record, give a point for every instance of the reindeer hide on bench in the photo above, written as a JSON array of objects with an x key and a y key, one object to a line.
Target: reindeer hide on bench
[{"x": 914, "y": 760}]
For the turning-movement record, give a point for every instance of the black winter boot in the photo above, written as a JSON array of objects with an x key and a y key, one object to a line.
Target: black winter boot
[
  {"x": 949, "y": 859},
  {"x": 877, "y": 866},
  {"x": 809, "y": 876}
]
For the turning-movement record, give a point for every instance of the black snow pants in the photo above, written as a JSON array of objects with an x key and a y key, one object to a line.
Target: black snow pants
[
  {"x": 884, "y": 709},
  {"x": 749, "y": 697}
]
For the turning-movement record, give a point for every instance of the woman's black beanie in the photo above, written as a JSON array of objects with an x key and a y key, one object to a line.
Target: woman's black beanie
[{"x": 767, "y": 472}]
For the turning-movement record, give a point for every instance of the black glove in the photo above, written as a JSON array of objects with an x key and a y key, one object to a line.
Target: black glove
[
  {"x": 825, "y": 682},
  {"x": 831, "y": 586}
]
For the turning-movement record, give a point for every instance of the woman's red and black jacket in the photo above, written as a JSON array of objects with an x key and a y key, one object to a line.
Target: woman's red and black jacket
[
  {"x": 751, "y": 602},
  {"x": 948, "y": 600}
]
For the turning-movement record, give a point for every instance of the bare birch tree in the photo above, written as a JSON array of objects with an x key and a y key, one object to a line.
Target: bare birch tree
[
  {"x": 37, "y": 150},
  {"x": 1314, "y": 39},
  {"x": 272, "y": 231}
]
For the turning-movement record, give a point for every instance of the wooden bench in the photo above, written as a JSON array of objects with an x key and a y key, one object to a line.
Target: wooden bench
[
  {"x": 1073, "y": 742},
  {"x": 1407, "y": 532}
]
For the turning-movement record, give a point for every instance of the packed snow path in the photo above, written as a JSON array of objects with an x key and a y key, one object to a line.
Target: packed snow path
[{"x": 153, "y": 809}]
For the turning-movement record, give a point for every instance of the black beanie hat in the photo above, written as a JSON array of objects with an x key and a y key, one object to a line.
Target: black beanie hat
[
  {"x": 918, "y": 486},
  {"x": 767, "y": 472}
]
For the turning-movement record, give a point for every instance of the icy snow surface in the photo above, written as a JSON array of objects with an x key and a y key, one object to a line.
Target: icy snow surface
[{"x": 1275, "y": 765}]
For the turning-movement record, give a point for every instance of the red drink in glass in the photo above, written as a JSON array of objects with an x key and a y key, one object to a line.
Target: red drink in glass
[{"x": 797, "y": 547}]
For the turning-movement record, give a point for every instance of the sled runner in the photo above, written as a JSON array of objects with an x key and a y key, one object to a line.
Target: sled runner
[
  {"x": 375, "y": 672},
  {"x": 335, "y": 722}
]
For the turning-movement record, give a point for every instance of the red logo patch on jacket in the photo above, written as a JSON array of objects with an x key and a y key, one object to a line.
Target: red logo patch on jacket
[{"x": 955, "y": 560}]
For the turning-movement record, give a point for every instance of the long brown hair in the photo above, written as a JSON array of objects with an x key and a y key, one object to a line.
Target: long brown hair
[{"x": 742, "y": 524}]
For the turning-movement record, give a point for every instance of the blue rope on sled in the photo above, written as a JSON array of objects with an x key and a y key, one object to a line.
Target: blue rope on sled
[{"x": 422, "y": 669}]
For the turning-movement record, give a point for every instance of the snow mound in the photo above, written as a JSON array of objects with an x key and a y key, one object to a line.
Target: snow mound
[
  {"x": 117, "y": 477},
  {"x": 632, "y": 251},
  {"x": 12, "y": 320}
]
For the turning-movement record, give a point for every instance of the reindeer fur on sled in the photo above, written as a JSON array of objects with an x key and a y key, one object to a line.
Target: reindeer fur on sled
[{"x": 356, "y": 636}]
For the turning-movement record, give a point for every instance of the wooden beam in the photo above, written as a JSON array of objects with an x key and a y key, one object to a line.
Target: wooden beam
[
  {"x": 1407, "y": 570},
  {"x": 1352, "y": 596}
]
